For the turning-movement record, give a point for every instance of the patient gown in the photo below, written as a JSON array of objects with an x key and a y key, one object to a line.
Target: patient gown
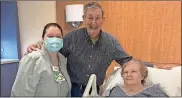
[{"x": 152, "y": 91}]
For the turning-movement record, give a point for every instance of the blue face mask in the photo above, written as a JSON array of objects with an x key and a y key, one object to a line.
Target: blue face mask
[{"x": 53, "y": 44}]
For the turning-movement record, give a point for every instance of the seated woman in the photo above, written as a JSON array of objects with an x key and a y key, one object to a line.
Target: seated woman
[
  {"x": 134, "y": 74},
  {"x": 44, "y": 72}
]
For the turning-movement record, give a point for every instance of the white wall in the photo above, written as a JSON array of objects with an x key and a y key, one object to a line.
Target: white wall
[{"x": 33, "y": 16}]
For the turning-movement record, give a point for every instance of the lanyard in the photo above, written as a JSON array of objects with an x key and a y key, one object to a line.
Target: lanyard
[{"x": 58, "y": 76}]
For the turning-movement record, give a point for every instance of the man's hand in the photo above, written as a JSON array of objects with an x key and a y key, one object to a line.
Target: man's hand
[
  {"x": 167, "y": 67},
  {"x": 32, "y": 47}
]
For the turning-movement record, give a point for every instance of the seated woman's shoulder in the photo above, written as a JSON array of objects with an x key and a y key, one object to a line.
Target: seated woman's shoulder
[
  {"x": 116, "y": 89},
  {"x": 117, "y": 92},
  {"x": 154, "y": 86},
  {"x": 155, "y": 91}
]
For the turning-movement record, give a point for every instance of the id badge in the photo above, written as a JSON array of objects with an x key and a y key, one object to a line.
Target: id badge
[{"x": 58, "y": 77}]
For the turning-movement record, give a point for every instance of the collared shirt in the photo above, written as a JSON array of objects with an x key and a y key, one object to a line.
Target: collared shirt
[{"x": 85, "y": 58}]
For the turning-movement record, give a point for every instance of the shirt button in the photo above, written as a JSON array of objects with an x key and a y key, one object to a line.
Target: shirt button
[
  {"x": 92, "y": 46},
  {"x": 87, "y": 75},
  {"x": 89, "y": 66},
  {"x": 90, "y": 56}
]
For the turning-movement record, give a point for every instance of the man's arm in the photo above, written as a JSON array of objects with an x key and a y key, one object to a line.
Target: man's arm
[
  {"x": 119, "y": 54},
  {"x": 147, "y": 64},
  {"x": 66, "y": 45}
]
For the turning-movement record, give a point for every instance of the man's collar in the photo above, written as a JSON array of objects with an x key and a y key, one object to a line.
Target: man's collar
[{"x": 88, "y": 37}]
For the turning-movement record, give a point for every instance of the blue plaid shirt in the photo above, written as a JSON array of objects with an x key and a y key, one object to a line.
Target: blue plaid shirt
[{"x": 85, "y": 58}]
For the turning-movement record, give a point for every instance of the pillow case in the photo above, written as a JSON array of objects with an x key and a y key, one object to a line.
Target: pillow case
[{"x": 170, "y": 80}]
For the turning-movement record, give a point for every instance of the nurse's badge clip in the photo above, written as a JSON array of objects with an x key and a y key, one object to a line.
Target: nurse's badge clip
[{"x": 58, "y": 77}]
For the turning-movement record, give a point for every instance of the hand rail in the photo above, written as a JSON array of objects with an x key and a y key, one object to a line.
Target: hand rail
[{"x": 91, "y": 83}]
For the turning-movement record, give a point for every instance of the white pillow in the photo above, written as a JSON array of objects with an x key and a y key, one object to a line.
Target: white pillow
[{"x": 170, "y": 80}]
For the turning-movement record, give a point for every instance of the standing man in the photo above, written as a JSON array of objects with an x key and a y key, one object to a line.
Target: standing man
[{"x": 90, "y": 50}]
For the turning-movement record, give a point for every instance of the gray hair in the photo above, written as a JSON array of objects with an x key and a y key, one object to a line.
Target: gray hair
[
  {"x": 93, "y": 5},
  {"x": 143, "y": 69}
]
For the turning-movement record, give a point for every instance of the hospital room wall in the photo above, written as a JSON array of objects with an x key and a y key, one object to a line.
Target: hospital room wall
[
  {"x": 147, "y": 30},
  {"x": 61, "y": 17},
  {"x": 33, "y": 16}
]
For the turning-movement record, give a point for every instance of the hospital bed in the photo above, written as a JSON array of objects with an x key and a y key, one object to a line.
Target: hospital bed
[{"x": 170, "y": 81}]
